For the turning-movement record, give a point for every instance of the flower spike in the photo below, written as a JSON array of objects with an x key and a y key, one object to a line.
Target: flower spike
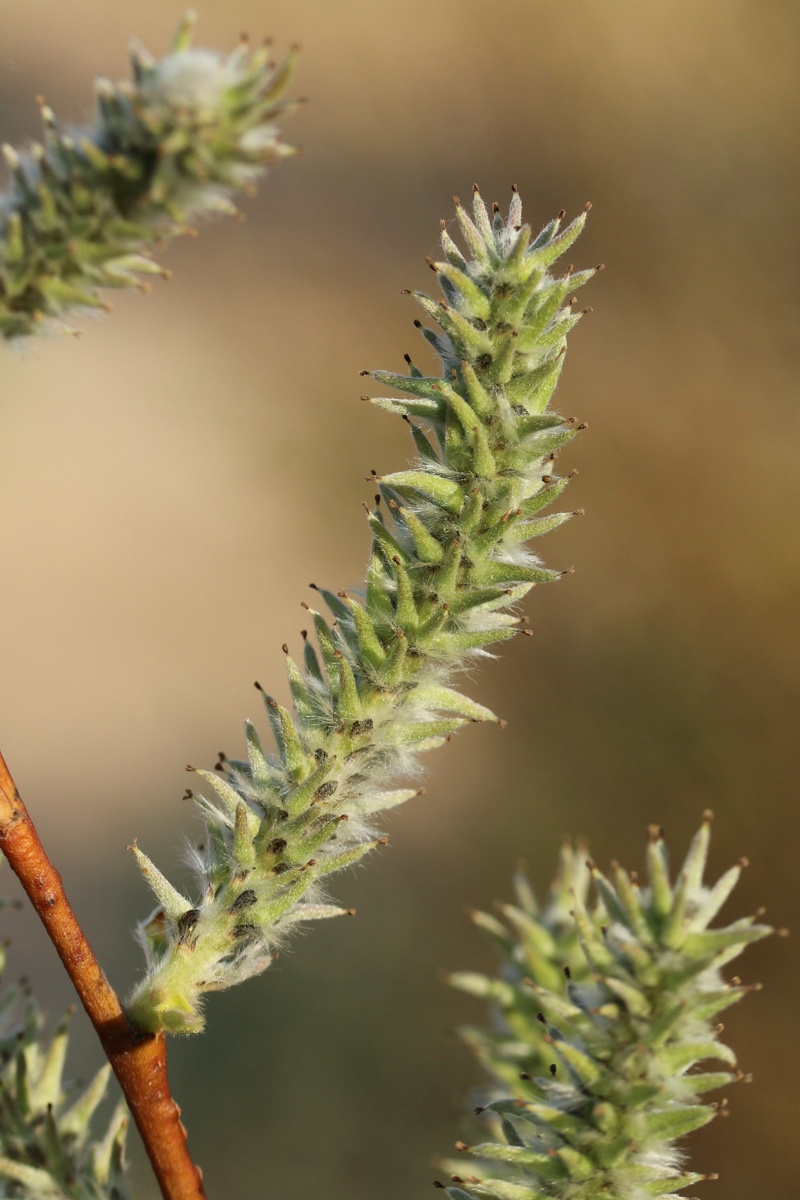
[
  {"x": 448, "y": 567},
  {"x": 45, "y": 1146},
  {"x": 600, "y": 1059}
]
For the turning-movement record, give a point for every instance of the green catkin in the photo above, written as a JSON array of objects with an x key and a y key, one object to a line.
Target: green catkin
[
  {"x": 46, "y": 1151},
  {"x": 604, "y": 1018},
  {"x": 86, "y": 208},
  {"x": 447, "y": 570}
]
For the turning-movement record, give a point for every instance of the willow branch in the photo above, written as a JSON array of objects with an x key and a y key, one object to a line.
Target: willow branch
[{"x": 138, "y": 1060}]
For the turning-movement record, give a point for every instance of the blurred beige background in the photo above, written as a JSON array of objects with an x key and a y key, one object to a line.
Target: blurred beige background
[{"x": 172, "y": 481}]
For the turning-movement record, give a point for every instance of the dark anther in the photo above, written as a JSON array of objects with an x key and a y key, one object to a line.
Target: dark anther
[
  {"x": 320, "y": 755},
  {"x": 187, "y": 922},
  {"x": 553, "y": 1069},
  {"x": 359, "y": 727},
  {"x": 276, "y": 846},
  {"x": 326, "y": 789},
  {"x": 244, "y": 900},
  {"x": 245, "y": 931},
  {"x": 483, "y": 362}
]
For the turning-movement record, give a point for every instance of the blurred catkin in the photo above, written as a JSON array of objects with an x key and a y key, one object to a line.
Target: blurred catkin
[
  {"x": 86, "y": 206},
  {"x": 46, "y": 1146}
]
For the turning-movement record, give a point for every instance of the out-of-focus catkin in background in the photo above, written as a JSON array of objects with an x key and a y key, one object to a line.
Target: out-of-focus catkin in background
[{"x": 171, "y": 483}]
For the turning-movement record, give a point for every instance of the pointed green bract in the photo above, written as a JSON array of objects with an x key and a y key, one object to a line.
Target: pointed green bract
[
  {"x": 607, "y": 1021},
  {"x": 447, "y": 570},
  {"x": 172, "y": 144}
]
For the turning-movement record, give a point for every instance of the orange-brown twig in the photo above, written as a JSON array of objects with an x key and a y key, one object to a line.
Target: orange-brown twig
[{"x": 139, "y": 1061}]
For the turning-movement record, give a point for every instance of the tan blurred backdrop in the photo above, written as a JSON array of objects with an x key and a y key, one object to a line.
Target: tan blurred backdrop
[{"x": 171, "y": 482}]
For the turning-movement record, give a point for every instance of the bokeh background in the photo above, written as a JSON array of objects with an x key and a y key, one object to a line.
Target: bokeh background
[{"x": 171, "y": 482}]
